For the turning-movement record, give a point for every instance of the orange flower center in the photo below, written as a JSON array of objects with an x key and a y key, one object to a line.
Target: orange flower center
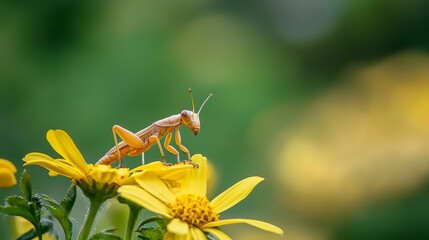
[{"x": 193, "y": 209}]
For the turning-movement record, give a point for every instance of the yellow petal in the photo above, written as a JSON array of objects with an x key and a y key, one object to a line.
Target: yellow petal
[
  {"x": 52, "y": 173},
  {"x": 107, "y": 174},
  {"x": 151, "y": 183},
  {"x": 217, "y": 233},
  {"x": 128, "y": 181},
  {"x": 197, "y": 234},
  {"x": 144, "y": 199},
  {"x": 7, "y": 173},
  {"x": 259, "y": 224},
  {"x": 196, "y": 182},
  {"x": 177, "y": 175},
  {"x": 64, "y": 145},
  {"x": 234, "y": 194},
  {"x": 7, "y": 165},
  {"x": 150, "y": 166},
  {"x": 178, "y": 227},
  {"x": 64, "y": 162},
  {"x": 168, "y": 236},
  {"x": 52, "y": 164},
  {"x": 7, "y": 178},
  {"x": 176, "y": 172},
  {"x": 179, "y": 166}
]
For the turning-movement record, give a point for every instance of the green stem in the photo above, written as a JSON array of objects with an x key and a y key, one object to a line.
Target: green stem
[
  {"x": 132, "y": 218},
  {"x": 89, "y": 220}
]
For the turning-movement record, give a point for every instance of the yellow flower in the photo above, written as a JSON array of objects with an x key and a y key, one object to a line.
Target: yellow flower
[
  {"x": 93, "y": 179},
  {"x": 7, "y": 173},
  {"x": 190, "y": 213}
]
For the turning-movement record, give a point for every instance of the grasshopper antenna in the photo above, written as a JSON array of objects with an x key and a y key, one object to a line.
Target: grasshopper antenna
[
  {"x": 199, "y": 110},
  {"x": 192, "y": 99}
]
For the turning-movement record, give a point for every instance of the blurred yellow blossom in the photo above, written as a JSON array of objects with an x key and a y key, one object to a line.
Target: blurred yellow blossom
[
  {"x": 7, "y": 173},
  {"x": 21, "y": 226},
  {"x": 365, "y": 140}
]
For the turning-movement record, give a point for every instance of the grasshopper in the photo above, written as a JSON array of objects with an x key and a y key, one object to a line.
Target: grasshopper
[{"x": 137, "y": 143}]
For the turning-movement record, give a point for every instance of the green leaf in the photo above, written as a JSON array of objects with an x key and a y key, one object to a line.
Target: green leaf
[
  {"x": 18, "y": 201},
  {"x": 158, "y": 220},
  {"x": 104, "y": 236},
  {"x": 28, "y": 207},
  {"x": 69, "y": 199},
  {"x": 17, "y": 211},
  {"x": 20, "y": 206},
  {"x": 54, "y": 208},
  {"x": 151, "y": 233},
  {"x": 25, "y": 184},
  {"x": 58, "y": 212},
  {"x": 36, "y": 204}
]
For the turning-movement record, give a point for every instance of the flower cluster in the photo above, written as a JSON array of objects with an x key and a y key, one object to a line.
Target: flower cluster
[
  {"x": 177, "y": 194},
  {"x": 190, "y": 214}
]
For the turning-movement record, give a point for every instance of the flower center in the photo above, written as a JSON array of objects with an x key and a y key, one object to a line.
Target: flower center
[{"x": 193, "y": 209}]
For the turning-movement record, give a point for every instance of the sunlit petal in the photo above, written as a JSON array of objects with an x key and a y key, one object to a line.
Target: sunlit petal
[
  {"x": 52, "y": 173},
  {"x": 196, "y": 182},
  {"x": 105, "y": 173},
  {"x": 234, "y": 194},
  {"x": 172, "y": 236},
  {"x": 7, "y": 165},
  {"x": 151, "y": 183},
  {"x": 197, "y": 234},
  {"x": 7, "y": 173},
  {"x": 64, "y": 162},
  {"x": 259, "y": 224},
  {"x": 176, "y": 175},
  {"x": 149, "y": 166},
  {"x": 217, "y": 233},
  {"x": 64, "y": 145},
  {"x": 168, "y": 236},
  {"x": 7, "y": 178},
  {"x": 176, "y": 172},
  {"x": 178, "y": 227},
  {"x": 52, "y": 164},
  {"x": 144, "y": 199}
]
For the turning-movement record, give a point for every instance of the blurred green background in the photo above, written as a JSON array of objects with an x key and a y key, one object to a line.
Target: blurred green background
[{"x": 328, "y": 100}]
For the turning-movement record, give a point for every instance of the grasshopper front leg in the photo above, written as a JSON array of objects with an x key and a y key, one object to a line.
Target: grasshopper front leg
[
  {"x": 183, "y": 148},
  {"x": 179, "y": 144},
  {"x": 170, "y": 148},
  {"x": 128, "y": 137}
]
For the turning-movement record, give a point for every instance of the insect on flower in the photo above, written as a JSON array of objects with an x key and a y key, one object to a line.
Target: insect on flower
[{"x": 134, "y": 144}]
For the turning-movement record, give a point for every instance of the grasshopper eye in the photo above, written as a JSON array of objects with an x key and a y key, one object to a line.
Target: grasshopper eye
[{"x": 184, "y": 113}]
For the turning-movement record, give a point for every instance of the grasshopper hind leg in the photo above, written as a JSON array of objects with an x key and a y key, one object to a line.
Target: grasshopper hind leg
[
  {"x": 155, "y": 139},
  {"x": 128, "y": 137}
]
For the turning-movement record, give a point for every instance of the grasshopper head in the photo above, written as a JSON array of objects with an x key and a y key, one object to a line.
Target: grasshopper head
[{"x": 191, "y": 120}]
